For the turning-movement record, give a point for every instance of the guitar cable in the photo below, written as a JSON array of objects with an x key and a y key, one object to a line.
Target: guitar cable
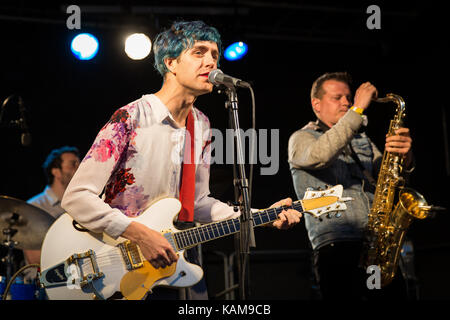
[{"x": 34, "y": 265}]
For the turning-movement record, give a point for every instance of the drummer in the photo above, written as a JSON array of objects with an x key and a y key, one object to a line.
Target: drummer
[{"x": 59, "y": 168}]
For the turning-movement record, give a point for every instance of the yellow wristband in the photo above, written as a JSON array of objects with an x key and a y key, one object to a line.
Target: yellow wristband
[{"x": 358, "y": 110}]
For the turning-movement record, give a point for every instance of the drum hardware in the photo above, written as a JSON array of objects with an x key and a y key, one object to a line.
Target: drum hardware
[
  {"x": 9, "y": 243},
  {"x": 27, "y": 224},
  {"x": 30, "y": 222}
]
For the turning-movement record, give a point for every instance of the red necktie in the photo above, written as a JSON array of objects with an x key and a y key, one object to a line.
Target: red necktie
[{"x": 187, "y": 191}]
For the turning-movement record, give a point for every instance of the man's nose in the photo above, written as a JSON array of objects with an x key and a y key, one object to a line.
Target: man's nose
[
  {"x": 210, "y": 61},
  {"x": 345, "y": 101}
]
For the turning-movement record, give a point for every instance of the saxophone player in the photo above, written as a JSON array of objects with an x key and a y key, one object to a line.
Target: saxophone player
[{"x": 335, "y": 150}]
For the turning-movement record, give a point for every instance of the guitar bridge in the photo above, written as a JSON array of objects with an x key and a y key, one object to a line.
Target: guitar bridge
[
  {"x": 131, "y": 255},
  {"x": 88, "y": 278},
  {"x": 71, "y": 272}
]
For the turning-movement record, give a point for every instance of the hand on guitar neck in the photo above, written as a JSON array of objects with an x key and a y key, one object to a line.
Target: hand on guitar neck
[{"x": 287, "y": 218}]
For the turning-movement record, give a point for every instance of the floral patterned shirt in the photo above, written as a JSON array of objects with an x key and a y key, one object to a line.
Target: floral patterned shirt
[{"x": 137, "y": 158}]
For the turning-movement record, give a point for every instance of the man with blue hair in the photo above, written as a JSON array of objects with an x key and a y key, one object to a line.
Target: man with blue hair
[{"x": 136, "y": 157}]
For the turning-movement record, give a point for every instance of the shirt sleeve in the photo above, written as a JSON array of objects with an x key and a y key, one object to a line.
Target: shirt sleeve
[
  {"x": 307, "y": 151},
  {"x": 81, "y": 199}
]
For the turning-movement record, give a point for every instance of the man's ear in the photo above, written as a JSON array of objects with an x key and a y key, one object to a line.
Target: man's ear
[
  {"x": 56, "y": 172},
  {"x": 171, "y": 64},
  {"x": 315, "y": 102}
]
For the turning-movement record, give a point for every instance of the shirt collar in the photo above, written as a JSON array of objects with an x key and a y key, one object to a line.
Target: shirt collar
[
  {"x": 160, "y": 110},
  {"x": 158, "y": 107},
  {"x": 321, "y": 125},
  {"x": 51, "y": 196}
]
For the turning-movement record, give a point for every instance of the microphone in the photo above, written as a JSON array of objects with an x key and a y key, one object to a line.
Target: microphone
[
  {"x": 25, "y": 138},
  {"x": 4, "y": 107},
  {"x": 217, "y": 77}
]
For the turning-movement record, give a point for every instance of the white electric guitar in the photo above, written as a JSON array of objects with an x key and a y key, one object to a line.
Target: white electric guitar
[{"x": 80, "y": 265}]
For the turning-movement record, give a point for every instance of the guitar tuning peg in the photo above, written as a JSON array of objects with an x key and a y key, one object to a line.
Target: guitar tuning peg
[
  {"x": 338, "y": 214},
  {"x": 309, "y": 189}
]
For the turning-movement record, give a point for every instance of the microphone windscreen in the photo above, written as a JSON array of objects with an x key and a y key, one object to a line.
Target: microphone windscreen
[{"x": 25, "y": 139}]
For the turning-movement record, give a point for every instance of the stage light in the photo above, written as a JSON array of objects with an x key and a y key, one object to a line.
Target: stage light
[
  {"x": 235, "y": 51},
  {"x": 84, "y": 46},
  {"x": 138, "y": 46}
]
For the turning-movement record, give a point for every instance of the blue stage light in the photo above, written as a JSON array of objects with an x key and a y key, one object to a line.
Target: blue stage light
[
  {"x": 84, "y": 46},
  {"x": 235, "y": 51}
]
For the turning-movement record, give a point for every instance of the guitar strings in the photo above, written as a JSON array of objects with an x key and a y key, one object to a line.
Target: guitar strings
[{"x": 190, "y": 237}]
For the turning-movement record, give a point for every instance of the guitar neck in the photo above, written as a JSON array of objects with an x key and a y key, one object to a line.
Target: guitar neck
[{"x": 208, "y": 232}]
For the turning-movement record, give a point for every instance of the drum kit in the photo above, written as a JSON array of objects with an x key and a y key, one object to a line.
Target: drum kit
[{"x": 24, "y": 227}]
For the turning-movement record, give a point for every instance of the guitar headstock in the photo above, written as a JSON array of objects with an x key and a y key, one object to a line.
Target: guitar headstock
[{"x": 319, "y": 202}]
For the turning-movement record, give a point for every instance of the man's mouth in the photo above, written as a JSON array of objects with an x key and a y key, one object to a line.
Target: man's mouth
[{"x": 204, "y": 74}]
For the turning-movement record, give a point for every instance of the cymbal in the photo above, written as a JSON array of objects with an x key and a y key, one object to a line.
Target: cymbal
[{"x": 31, "y": 222}]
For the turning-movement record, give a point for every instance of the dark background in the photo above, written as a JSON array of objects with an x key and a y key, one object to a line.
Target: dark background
[{"x": 291, "y": 43}]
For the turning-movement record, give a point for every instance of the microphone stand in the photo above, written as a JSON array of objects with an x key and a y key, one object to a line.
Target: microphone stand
[{"x": 246, "y": 234}]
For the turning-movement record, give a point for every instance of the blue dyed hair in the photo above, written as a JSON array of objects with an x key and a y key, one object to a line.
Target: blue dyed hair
[{"x": 181, "y": 36}]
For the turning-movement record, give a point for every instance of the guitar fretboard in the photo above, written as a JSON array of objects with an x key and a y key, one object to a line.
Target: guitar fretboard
[{"x": 194, "y": 236}]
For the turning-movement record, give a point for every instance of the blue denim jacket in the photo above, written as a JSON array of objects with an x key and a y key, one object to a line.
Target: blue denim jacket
[{"x": 341, "y": 169}]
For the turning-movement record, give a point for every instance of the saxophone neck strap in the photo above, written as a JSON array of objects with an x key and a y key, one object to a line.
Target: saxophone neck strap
[{"x": 366, "y": 172}]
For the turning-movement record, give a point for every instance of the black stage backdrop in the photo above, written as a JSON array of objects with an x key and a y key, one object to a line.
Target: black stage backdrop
[{"x": 290, "y": 44}]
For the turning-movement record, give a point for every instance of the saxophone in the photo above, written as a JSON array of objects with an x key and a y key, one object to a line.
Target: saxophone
[{"x": 388, "y": 224}]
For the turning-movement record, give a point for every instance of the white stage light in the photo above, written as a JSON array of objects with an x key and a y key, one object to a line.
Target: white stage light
[{"x": 138, "y": 46}]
